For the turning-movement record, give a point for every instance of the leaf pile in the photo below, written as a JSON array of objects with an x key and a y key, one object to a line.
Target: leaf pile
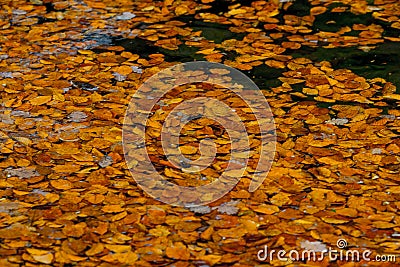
[{"x": 67, "y": 72}]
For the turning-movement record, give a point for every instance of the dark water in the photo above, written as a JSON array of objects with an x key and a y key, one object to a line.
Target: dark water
[{"x": 383, "y": 61}]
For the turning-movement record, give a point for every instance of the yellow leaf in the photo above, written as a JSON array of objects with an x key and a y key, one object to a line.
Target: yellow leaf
[
  {"x": 173, "y": 101},
  {"x": 310, "y": 91},
  {"x": 330, "y": 161},
  {"x": 178, "y": 251},
  {"x": 95, "y": 198},
  {"x": 47, "y": 258},
  {"x": 25, "y": 141},
  {"x": 118, "y": 248},
  {"x": 322, "y": 143},
  {"x": 112, "y": 208},
  {"x": 76, "y": 258},
  {"x": 281, "y": 199},
  {"x": 95, "y": 97},
  {"x": 160, "y": 230},
  {"x": 181, "y": 10},
  {"x": 124, "y": 70},
  {"x": 266, "y": 209},
  {"x": 40, "y": 100},
  {"x": 67, "y": 168},
  {"x": 349, "y": 212},
  {"x": 40, "y": 255},
  {"x": 34, "y": 251},
  {"x": 20, "y": 193},
  {"x": 188, "y": 150},
  {"x": 51, "y": 197},
  {"x": 23, "y": 163},
  {"x": 119, "y": 216},
  {"x": 66, "y": 149},
  {"x": 317, "y": 10},
  {"x": 237, "y": 11},
  {"x": 61, "y": 184},
  {"x": 79, "y": 99},
  {"x": 333, "y": 220},
  {"x": 96, "y": 248},
  {"x": 383, "y": 225},
  {"x": 392, "y": 96},
  {"x": 127, "y": 258},
  {"x": 234, "y": 173},
  {"x": 206, "y": 51}
]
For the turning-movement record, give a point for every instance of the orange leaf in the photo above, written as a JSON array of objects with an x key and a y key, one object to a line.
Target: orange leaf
[
  {"x": 61, "y": 184},
  {"x": 124, "y": 70},
  {"x": 178, "y": 251},
  {"x": 112, "y": 208}
]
